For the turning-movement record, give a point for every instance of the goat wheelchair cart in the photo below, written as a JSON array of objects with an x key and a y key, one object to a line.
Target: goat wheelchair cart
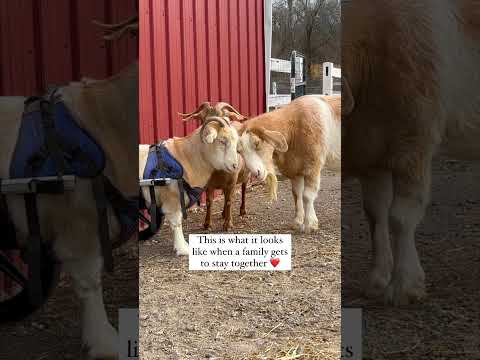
[{"x": 154, "y": 221}]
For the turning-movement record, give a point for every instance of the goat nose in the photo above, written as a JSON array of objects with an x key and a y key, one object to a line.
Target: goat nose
[
  {"x": 235, "y": 166},
  {"x": 258, "y": 173}
]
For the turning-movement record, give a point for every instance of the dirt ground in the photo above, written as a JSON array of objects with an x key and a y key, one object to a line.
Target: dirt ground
[
  {"x": 447, "y": 324},
  {"x": 246, "y": 315},
  {"x": 53, "y": 332}
]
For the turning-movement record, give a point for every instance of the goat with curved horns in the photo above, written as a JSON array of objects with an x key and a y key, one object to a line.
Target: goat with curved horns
[
  {"x": 211, "y": 147},
  {"x": 221, "y": 179}
]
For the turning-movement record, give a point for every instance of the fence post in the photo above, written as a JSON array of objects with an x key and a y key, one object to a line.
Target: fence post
[
  {"x": 292, "y": 75},
  {"x": 304, "y": 69},
  {"x": 327, "y": 82}
]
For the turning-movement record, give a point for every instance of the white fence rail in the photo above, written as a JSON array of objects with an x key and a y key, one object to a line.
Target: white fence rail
[
  {"x": 330, "y": 73},
  {"x": 276, "y": 100}
]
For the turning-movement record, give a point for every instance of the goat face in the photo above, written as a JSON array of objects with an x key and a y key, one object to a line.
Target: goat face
[
  {"x": 221, "y": 147},
  {"x": 257, "y": 146}
]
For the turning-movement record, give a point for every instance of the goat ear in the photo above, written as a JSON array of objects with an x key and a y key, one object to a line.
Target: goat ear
[
  {"x": 274, "y": 138},
  {"x": 209, "y": 134}
]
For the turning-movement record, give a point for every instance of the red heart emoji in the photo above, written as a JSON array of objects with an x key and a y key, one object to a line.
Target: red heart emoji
[{"x": 275, "y": 261}]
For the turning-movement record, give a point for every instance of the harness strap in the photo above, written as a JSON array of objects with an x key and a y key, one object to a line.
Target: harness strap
[
  {"x": 125, "y": 209},
  {"x": 7, "y": 268},
  {"x": 103, "y": 228},
  {"x": 8, "y": 241},
  {"x": 143, "y": 218},
  {"x": 181, "y": 191},
  {"x": 33, "y": 255},
  {"x": 153, "y": 209},
  {"x": 52, "y": 142}
]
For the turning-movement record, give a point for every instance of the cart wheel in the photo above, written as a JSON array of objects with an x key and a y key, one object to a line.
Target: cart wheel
[
  {"x": 14, "y": 300},
  {"x": 145, "y": 232}
]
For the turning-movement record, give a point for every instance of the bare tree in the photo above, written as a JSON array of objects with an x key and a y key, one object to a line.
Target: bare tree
[{"x": 310, "y": 26}]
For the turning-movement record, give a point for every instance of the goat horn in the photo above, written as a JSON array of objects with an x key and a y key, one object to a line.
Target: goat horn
[
  {"x": 119, "y": 33},
  {"x": 216, "y": 119},
  {"x": 224, "y": 122},
  {"x": 197, "y": 112},
  {"x": 117, "y": 30},
  {"x": 119, "y": 25},
  {"x": 226, "y": 107}
]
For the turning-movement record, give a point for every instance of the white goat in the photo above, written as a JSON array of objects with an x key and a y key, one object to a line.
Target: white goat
[
  {"x": 200, "y": 154},
  {"x": 301, "y": 138}
]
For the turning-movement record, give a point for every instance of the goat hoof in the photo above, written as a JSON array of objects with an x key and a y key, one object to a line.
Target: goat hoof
[
  {"x": 207, "y": 227},
  {"x": 401, "y": 292},
  {"x": 103, "y": 347},
  {"x": 243, "y": 212},
  {"x": 377, "y": 283},
  {"x": 181, "y": 249},
  {"x": 227, "y": 226},
  {"x": 182, "y": 252},
  {"x": 297, "y": 226},
  {"x": 308, "y": 229}
]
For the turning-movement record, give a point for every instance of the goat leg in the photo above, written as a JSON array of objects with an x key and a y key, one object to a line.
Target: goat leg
[
  {"x": 229, "y": 198},
  {"x": 243, "y": 211},
  {"x": 411, "y": 191},
  {"x": 310, "y": 191},
  {"x": 208, "y": 216},
  {"x": 297, "y": 191},
  {"x": 377, "y": 195},
  {"x": 224, "y": 204},
  {"x": 100, "y": 339}
]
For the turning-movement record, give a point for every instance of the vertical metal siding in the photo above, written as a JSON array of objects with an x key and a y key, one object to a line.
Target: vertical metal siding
[
  {"x": 193, "y": 51},
  {"x": 54, "y": 41}
]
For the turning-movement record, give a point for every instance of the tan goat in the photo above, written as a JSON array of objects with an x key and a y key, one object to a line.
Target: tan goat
[
  {"x": 211, "y": 147},
  {"x": 221, "y": 179},
  {"x": 411, "y": 79},
  {"x": 300, "y": 139}
]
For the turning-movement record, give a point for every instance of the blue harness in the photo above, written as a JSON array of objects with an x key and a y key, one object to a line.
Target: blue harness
[
  {"x": 51, "y": 142},
  {"x": 162, "y": 165}
]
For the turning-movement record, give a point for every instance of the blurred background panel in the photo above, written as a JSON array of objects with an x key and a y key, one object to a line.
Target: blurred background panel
[{"x": 54, "y": 42}]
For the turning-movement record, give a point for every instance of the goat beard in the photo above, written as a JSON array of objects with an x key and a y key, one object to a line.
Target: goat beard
[{"x": 272, "y": 185}]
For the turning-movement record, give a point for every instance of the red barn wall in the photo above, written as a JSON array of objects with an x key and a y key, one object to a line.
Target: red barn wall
[
  {"x": 54, "y": 42},
  {"x": 193, "y": 51}
]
